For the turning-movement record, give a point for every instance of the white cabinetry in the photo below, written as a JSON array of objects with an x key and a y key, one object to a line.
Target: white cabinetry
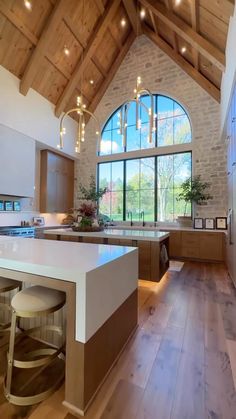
[{"x": 17, "y": 163}]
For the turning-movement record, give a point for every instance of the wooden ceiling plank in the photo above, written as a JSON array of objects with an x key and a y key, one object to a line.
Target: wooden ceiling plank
[
  {"x": 209, "y": 87},
  {"x": 93, "y": 44},
  {"x": 131, "y": 11},
  {"x": 13, "y": 18},
  {"x": 115, "y": 39},
  {"x": 99, "y": 66},
  {"x": 41, "y": 48},
  {"x": 168, "y": 4},
  {"x": 72, "y": 26},
  {"x": 100, "y": 6},
  {"x": 153, "y": 21},
  {"x": 194, "y": 4},
  {"x": 197, "y": 41},
  {"x": 116, "y": 64}
]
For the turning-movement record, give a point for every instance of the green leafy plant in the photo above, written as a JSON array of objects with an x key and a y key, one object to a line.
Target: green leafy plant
[
  {"x": 91, "y": 193},
  {"x": 194, "y": 190}
]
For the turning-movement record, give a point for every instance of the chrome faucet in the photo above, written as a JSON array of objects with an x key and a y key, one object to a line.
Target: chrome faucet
[
  {"x": 129, "y": 214},
  {"x": 142, "y": 216}
]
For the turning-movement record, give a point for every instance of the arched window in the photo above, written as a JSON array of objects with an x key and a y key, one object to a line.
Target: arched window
[
  {"x": 147, "y": 180},
  {"x": 172, "y": 127}
]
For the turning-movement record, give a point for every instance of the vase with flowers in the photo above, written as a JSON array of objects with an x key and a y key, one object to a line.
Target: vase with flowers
[{"x": 88, "y": 217}]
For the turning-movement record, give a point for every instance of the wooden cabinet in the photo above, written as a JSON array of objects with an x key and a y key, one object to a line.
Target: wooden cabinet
[
  {"x": 206, "y": 246},
  {"x": 144, "y": 248},
  {"x": 57, "y": 183},
  {"x": 175, "y": 244}
]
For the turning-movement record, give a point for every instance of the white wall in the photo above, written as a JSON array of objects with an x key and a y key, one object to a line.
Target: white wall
[
  {"x": 229, "y": 76},
  {"x": 32, "y": 115}
]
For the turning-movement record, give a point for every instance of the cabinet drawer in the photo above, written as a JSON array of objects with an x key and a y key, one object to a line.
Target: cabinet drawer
[{"x": 190, "y": 239}]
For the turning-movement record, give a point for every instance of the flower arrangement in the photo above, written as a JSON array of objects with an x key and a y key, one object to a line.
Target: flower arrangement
[{"x": 88, "y": 219}]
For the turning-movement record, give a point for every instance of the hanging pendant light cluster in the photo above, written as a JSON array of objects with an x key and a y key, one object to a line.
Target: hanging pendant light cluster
[
  {"x": 139, "y": 91},
  {"x": 81, "y": 111}
]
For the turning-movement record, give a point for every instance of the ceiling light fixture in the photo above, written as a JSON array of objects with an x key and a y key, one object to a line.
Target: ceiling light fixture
[
  {"x": 139, "y": 91},
  {"x": 91, "y": 82},
  {"x": 183, "y": 50},
  {"x": 66, "y": 50},
  {"x": 142, "y": 13},
  {"x": 81, "y": 111},
  {"x": 177, "y": 2},
  {"x": 123, "y": 22},
  {"x": 28, "y": 4}
]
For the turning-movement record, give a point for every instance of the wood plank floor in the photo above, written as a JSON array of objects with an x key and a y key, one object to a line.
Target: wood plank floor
[{"x": 180, "y": 364}]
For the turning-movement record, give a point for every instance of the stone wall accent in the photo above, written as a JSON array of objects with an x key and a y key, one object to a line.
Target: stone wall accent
[{"x": 161, "y": 75}]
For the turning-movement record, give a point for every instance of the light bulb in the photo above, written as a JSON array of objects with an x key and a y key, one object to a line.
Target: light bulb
[
  {"x": 142, "y": 13},
  {"x": 97, "y": 132},
  {"x": 28, "y": 4},
  {"x": 183, "y": 50},
  {"x": 123, "y": 22},
  {"x": 66, "y": 50},
  {"x": 84, "y": 106},
  {"x": 91, "y": 82}
]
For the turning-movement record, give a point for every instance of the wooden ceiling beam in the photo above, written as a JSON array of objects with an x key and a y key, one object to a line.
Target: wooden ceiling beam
[
  {"x": 153, "y": 21},
  {"x": 168, "y": 4},
  {"x": 209, "y": 87},
  {"x": 15, "y": 20},
  {"x": 42, "y": 45},
  {"x": 73, "y": 27},
  {"x": 93, "y": 43},
  {"x": 116, "y": 64},
  {"x": 100, "y": 6},
  {"x": 213, "y": 54},
  {"x": 194, "y": 4},
  {"x": 131, "y": 11}
]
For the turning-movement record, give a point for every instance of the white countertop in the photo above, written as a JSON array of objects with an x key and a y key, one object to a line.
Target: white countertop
[
  {"x": 134, "y": 234},
  {"x": 164, "y": 228},
  {"x": 56, "y": 259},
  {"x": 104, "y": 275}
]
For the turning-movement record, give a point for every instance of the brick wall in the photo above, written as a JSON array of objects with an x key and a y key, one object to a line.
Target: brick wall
[{"x": 161, "y": 75}]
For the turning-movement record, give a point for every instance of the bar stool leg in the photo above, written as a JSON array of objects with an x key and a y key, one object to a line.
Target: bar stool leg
[{"x": 11, "y": 353}]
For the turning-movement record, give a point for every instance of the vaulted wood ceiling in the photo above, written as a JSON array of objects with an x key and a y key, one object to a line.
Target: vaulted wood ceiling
[{"x": 33, "y": 43}]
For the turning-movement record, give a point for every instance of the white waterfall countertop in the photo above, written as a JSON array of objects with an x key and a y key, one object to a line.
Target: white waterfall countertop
[
  {"x": 104, "y": 275},
  {"x": 151, "y": 235}
]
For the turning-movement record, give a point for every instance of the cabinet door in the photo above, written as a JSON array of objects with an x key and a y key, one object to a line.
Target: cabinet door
[
  {"x": 51, "y": 192},
  {"x": 144, "y": 249},
  {"x": 211, "y": 246},
  {"x": 175, "y": 245}
]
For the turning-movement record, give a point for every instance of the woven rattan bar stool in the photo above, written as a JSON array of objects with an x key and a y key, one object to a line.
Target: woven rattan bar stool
[
  {"x": 7, "y": 285},
  {"x": 32, "y": 302}
]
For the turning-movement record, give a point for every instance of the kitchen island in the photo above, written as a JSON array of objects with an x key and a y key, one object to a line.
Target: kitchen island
[
  {"x": 100, "y": 283},
  {"x": 153, "y": 246}
]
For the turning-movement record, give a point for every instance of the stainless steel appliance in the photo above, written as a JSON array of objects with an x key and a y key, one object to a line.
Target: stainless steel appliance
[{"x": 17, "y": 231}]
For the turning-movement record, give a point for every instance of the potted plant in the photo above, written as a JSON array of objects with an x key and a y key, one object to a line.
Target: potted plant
[
  {"x": 193, "y": 190},
  {"x": 88, "y": 218}
]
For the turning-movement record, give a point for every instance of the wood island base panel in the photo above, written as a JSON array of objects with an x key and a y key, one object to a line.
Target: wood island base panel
[
  {"x": 97, "y": 326},
  {"x": 153, "y": 246}
]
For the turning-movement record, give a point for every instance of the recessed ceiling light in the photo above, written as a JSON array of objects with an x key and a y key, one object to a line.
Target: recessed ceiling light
[
  {"x": 183, "y": 50},
  {"x": 66, "y": 50},
  {"x": 142, "y": 13},
  {"x": 28, "y": 4},
  {"x": 123, "y": 22},
  {"x": 91, "y": 82},
  {"x": 177, "y": 2}
]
